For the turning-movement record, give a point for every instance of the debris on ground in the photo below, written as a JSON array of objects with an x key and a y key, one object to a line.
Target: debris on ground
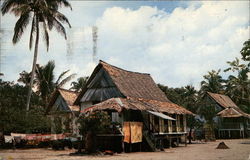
[{"x": 222, "y": 145}]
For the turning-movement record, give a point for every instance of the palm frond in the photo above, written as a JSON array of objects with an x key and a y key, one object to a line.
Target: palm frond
[
  {"x": 59, "y": 3},
  {"x": 65, "y": 80},
  {"x": 61, "y": 17},
  {"x": 21, "y": 24},
  {"x": 59, "y": 27},
  {"x": 10, "y": 4},
  {"x": 61, "y": 75},
  {"x": 20, "y": 9},
  {"x": 46, "y": 35}
]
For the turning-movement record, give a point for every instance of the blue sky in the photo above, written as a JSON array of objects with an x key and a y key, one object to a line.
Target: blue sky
[{"x": 176, "y": 42}]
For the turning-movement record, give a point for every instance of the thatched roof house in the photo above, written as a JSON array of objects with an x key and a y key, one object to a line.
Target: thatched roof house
[
  {"x": 133, "y": 97},
  {"x": 232, "y": 122},
  {"x": 63, "y": 112},
  {"x": 230, "y": 109}
]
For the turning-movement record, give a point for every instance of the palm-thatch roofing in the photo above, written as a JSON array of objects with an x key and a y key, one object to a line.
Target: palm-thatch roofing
[
  {"x": 119, "y": 104},
  {"x": 129, "y": 84},
  {"x": 68, "y": 96}
]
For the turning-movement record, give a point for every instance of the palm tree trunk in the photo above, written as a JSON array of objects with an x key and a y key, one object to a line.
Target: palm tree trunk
[{"x": 33, "y": 66}]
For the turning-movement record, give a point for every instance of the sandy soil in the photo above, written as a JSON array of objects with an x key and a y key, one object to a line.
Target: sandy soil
[{"x": 205, "y": 151}]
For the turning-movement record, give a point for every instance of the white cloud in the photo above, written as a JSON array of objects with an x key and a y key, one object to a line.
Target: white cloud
[{"x": 176, "y": 48}]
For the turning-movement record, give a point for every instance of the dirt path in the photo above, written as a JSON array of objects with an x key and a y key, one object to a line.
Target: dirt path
[{"x": 207, "y": 151}]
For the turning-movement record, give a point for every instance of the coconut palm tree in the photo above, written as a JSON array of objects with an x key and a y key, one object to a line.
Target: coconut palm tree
[
  {"x": 213, "y": 83},
  {"x": 44, "y": 14},
  {"x": 79, "y": 84},
  {"x": 238, "y": 86},
  {"x": 45, "y": 80}
]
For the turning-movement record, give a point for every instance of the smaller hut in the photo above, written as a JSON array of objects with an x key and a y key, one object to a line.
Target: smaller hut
[
  {"x": 62, "y": 111},
  {"x": 232, "y": 122}
]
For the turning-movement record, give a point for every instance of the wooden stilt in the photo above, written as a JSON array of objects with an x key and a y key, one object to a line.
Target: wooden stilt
[
  {"x": 185, "y": 140},
  {"x": 170, "y": 142},
  {"x": 177, "y": 141}
]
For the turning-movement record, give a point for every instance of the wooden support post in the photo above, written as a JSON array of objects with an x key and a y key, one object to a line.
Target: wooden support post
[
  {"x": 123, "y": 148},
  {"x": 185, "y": 140},
  {"x": 170, "y": 142},
  {"x": 140, "y": 146},
  {"x": 177, "y": 141}
]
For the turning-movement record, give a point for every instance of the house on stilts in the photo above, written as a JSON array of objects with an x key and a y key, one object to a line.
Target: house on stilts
[
  {"x": 141, "y": 111},
  {"x": 231, "y": 121}
]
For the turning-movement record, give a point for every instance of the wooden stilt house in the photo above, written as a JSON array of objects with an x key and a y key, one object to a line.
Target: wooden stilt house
[
  {"x": 231, "y": 121},
  {"x": 134, "y": 97}
]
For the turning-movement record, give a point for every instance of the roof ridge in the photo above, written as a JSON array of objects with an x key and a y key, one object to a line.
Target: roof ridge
[{"x": 105, "y": 63}]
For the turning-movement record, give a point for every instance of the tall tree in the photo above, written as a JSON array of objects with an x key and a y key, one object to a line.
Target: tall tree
[
  {"x": 238, "y": 86},
  {"x": 79, "y": 84},
  {"x": 213, "y": 83},
  {"x": 43, "y": 13}
]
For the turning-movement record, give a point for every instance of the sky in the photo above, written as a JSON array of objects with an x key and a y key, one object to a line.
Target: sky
[{"x": 176, "y": 42}]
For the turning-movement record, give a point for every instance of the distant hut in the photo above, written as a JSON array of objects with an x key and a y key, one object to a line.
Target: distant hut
[
  {"x": 62, "y": 111},
  {"x": 232, "y": 122},
  {"x": 131, "y": 97}
]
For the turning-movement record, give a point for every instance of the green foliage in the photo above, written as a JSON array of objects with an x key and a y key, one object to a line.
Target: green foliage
[
  {"x": 45, "y": 80},
  {"x": 95, "y": 122},
  {"x": 213, "y": 83},
  {"x": 245, "y": 51},
  {"x": 238, "y": 87},
  {"x": 187, "y": 97},
  {"x": 79, "y": 84},
  {"x": 12, "y": 111},
  {"x": 44, "y": 15}
]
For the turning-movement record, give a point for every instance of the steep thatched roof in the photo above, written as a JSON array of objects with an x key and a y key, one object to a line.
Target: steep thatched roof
[
  {"x": 129, "y": 84},
  {"x": 120, "y": 104},
  {"x": 68, "y": 96},
  {"x": 223, "y": 100}
]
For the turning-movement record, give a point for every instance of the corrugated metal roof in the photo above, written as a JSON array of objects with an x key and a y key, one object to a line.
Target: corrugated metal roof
[
  {"x": 158, "y": 114},
  {"x": 222, "y": 100}
]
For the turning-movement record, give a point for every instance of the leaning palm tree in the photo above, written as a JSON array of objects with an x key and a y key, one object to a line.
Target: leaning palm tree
[
  {"x": 45, "y": 80},
  {"x": 45, "y": 14}
]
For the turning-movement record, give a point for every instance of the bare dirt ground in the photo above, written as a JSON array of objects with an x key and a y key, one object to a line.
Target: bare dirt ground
[{"x": 205, "y": 151}]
